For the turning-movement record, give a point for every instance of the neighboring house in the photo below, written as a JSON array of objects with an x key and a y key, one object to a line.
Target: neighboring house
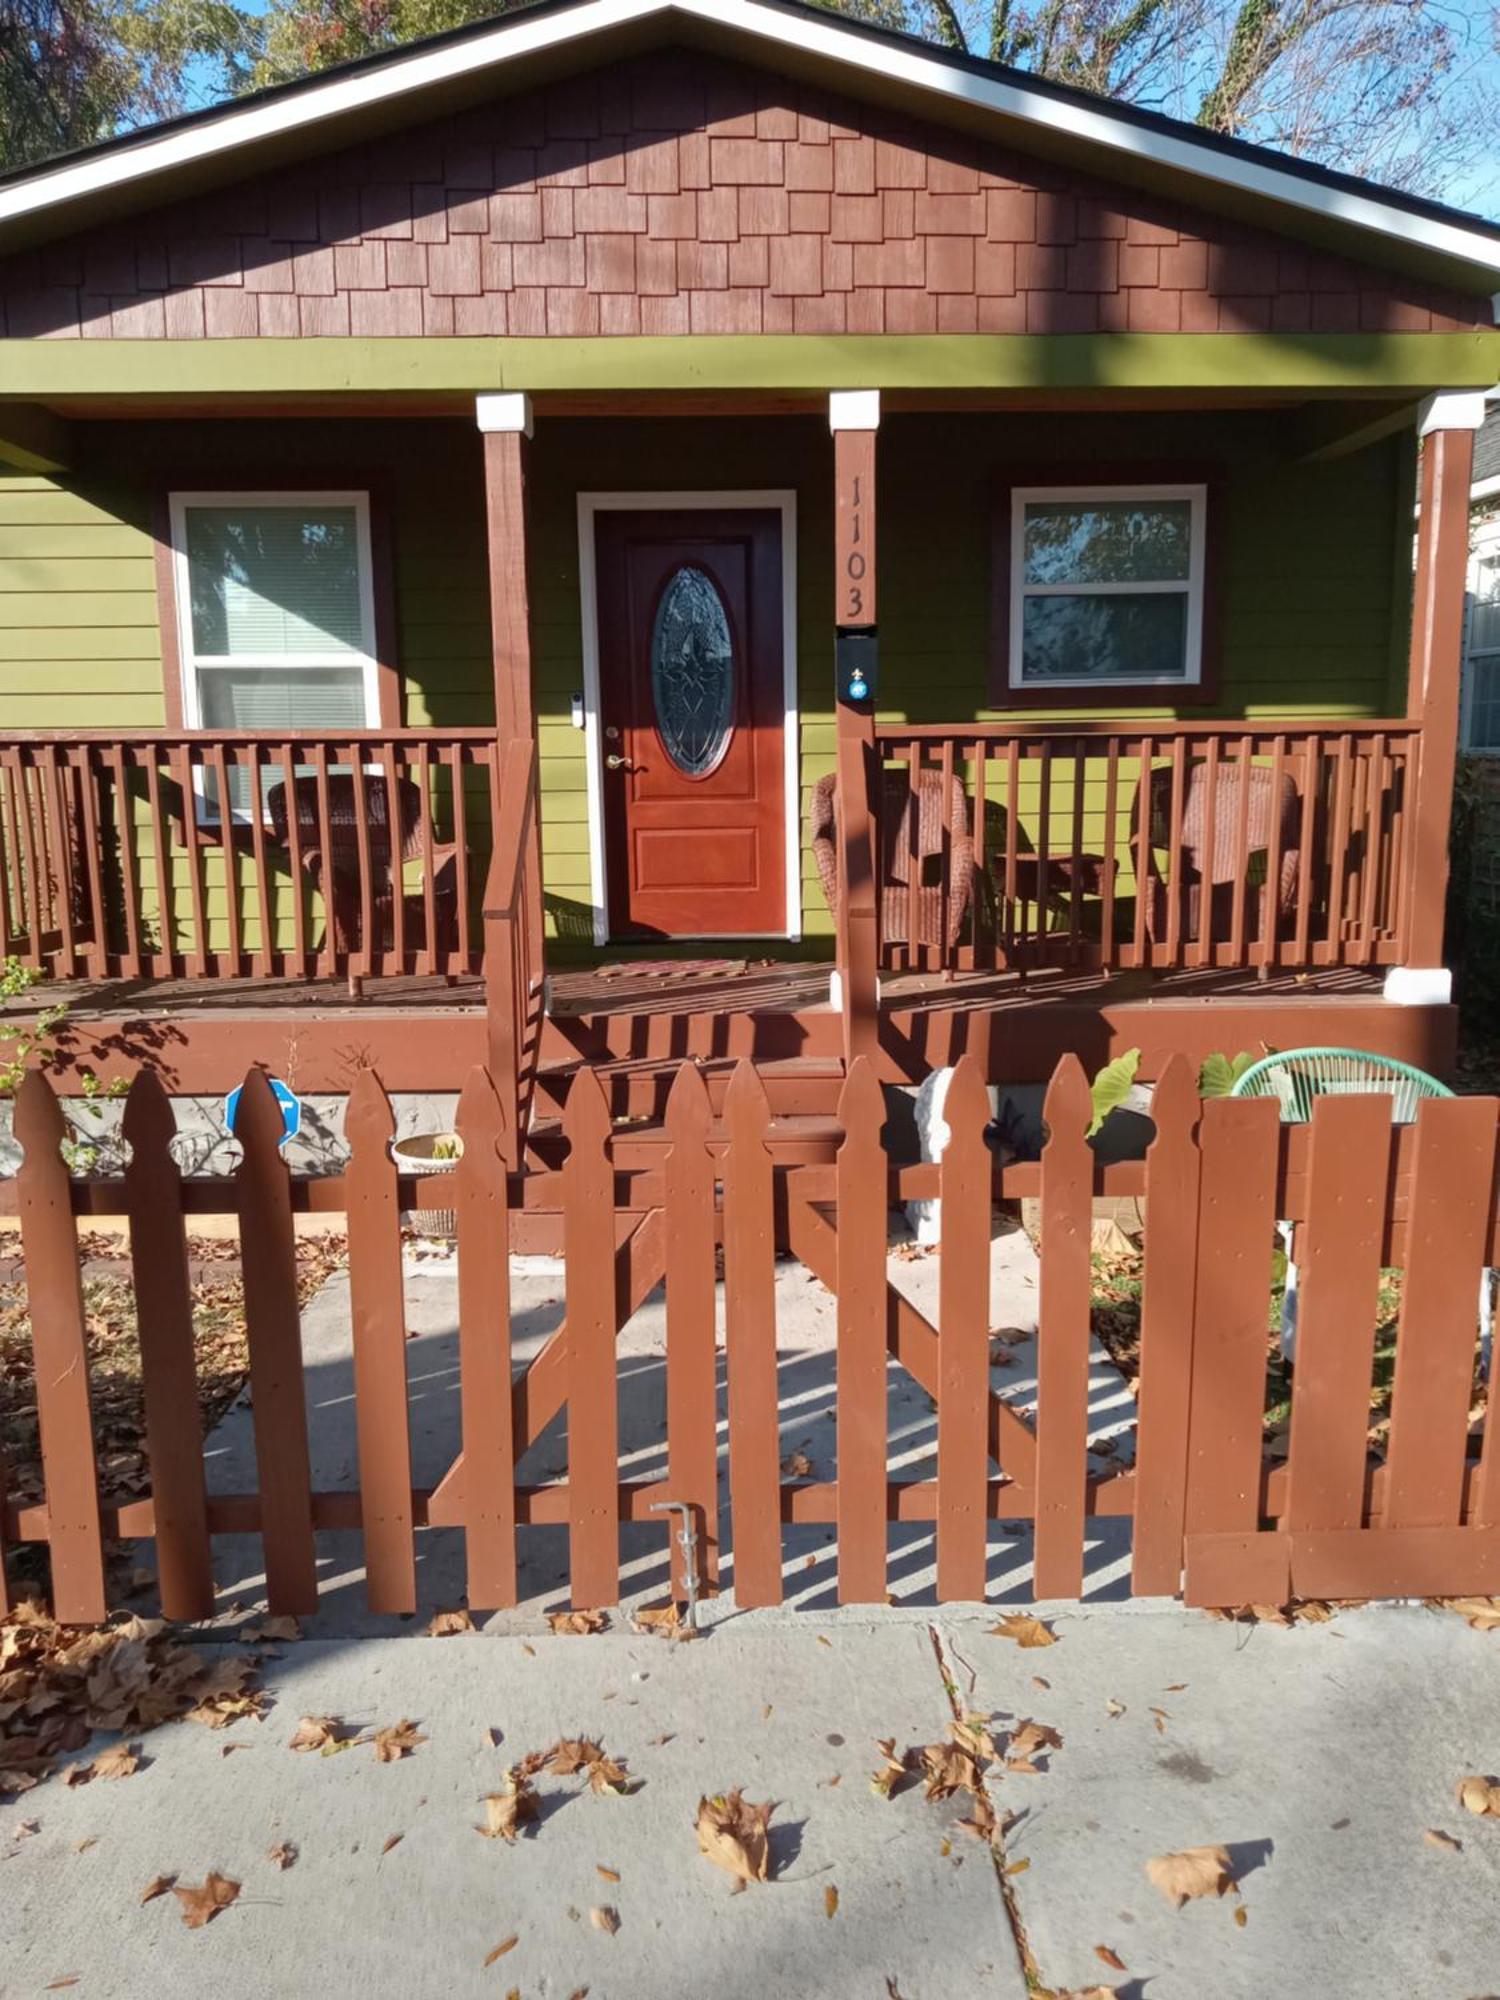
[{"x": 423, "y": 520}]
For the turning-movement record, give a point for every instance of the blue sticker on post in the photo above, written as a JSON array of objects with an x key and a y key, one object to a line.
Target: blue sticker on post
[{"x": 291, "y": 1108}]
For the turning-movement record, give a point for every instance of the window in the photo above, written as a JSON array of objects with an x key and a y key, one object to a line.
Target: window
[
  {"x": 1106, "y": 587},
  {"x": 275, "y": 612},
  {"x": 1482, "y": 652}
]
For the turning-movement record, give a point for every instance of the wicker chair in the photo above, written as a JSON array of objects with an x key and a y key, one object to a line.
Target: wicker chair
[
  {"x": 1270, "y": 800},
  {"x": 942, "y": 835},
  {"x": 337, "y": 874}
]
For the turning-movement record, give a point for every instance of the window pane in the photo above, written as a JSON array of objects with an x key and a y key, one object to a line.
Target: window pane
[
  {"x": 1105, "y": 638},
  {"x": 1484, "y": 708},
  {"x": 274, "y": 579},
  {"x": 692, "y": 673},
  {"x": 1108, "y": 541},
  {"x": 269, "y": 698}
]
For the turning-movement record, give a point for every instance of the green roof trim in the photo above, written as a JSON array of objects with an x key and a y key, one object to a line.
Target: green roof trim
[{"x": 1309, "y": 364}]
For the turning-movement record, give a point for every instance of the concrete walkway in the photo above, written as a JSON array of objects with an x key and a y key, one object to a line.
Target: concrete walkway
[{"x": 1319, "y": 1756}]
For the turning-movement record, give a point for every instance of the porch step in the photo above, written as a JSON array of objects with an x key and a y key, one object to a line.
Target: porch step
[{"x": 798, "y": 1086}]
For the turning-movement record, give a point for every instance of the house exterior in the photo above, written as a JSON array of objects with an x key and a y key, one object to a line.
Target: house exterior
[{"x": 587, "y": 488}]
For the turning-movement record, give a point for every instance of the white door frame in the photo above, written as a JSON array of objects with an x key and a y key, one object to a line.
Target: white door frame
[{"x": 590, "y": 506}]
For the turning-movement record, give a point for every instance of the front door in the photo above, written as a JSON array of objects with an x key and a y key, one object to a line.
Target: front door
[{"x": 693, "y": 722}]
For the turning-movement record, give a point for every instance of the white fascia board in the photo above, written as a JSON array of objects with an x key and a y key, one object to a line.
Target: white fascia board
[{"x": 513, "y": 38}]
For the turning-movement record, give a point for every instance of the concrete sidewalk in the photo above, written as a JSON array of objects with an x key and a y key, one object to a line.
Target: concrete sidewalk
[{"x": 1319, "y": 1756}]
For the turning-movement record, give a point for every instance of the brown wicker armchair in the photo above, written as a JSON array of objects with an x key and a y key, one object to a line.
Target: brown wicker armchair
[
  {"x": 942, "y": 837},
  {"x": 1271, "y": 801},
  {"x": 336, "y": 874}
]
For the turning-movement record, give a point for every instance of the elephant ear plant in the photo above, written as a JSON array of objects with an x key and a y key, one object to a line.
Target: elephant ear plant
[
  {"x": 28, "y": 1048},
  {"x": 1112, "y": 1085}
]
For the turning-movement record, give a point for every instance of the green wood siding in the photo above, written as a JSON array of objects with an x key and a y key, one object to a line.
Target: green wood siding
[{"x": 1316, "y": 568}]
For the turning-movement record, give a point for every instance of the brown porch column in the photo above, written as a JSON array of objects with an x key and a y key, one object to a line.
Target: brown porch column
[
  {"x": 854, "y": 418},
  {"x": 513, "y": 958},
  {"x": 1446, "y": 426}
]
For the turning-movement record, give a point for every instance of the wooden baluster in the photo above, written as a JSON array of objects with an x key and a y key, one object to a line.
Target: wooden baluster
[
  {"x": 134, "y": 964},
  {"x": 1307, "y": 836},
  {"x": 942, "y": 956},
  {"x": 1166, "y": 1361},
  {"x": 1269, "y": 953},
  {"x": 1075, "y": 869},
  {"x": 1177, "y": 889},
  {"x": 35, "y": 874},
  {"x": 1208, "y": 772},
  {"x": 1043, "y": 845},
  {"x": 1145, "y": 866},
  {"x": 963, "y": 1454},
  {"x": 297, "y": 878},
  {"x": 377, "y": 1311},
  {"x": 1338, "y": 1253},
  {"x": 187, "y": 774},
  {"x": 164, "y": 959},
  {"x": 333, "y": 957},
  {"x": 49, "y": 1240},
  {"x": 12, "y": 921},
  {"x": 431, "y": 959},
  {"x": 391, "y": 778},
  {"x": 93, "y": 846},
  {"x": 915, "y": 954},
  {"x": 750, "y": 1342},
  {"x": 1109, "y": 954},
  {"x": 48, "y": 893},
  {"x": 1376, "y": 780},
  {"x": 273, "y": 1322},
  {"x": 1450, "y": 1214},
  {"x": 1338, "y": 885},
  {"x": 229, "y": 849},
  {"x": 593, "y": 1405},
  {"x": 481, "y": 1202},
  {"x": 266, "y": 954},
  {"x": 1062, "y": 1420},
  {"x": 1012, "y": 844},
  {"x": 169, "y": 1380},
  {"x": 364, "y": 959},
  {"x": 860, "y": 1393},
  {"x": 1240, "y": 889},
  {"x": 984, "y": 947},
  {"x": 692, "y": 1355},
  {"x": 467, "y": 959}
]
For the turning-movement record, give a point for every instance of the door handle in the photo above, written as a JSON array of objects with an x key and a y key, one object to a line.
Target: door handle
[{"x": 613, "y": 762}]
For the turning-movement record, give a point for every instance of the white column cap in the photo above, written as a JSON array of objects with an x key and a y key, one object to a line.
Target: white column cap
[
  {"x": 509, "y": 412},
  {"x": 854, "y": 410},
  {"x": 1451, "y": 410}
]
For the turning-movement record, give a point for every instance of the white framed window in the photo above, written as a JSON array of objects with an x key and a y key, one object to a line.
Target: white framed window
[
  {"x": 275, "y": 600},
  {"x": 1107, "y": 586},
  {"x": 1481, "y": 711}
]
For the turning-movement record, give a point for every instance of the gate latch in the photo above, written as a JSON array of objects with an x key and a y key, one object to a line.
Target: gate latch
[{"x": 687, "y": 1540}]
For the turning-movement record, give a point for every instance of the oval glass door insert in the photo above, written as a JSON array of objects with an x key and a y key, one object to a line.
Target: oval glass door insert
[{"x": 692, "y": 672}]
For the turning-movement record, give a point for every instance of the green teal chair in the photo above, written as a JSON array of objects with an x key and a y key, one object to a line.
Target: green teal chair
[{"x": 1296, "y": 1078}]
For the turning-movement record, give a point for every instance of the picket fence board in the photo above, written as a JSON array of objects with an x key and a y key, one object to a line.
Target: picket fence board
[
  {"x": 484, "y": 1349},
  {"x": 690, "y": 1241},
  {"x": 861, "y": 1418},
  {"x": 1062, "y": 1333},
  {"x": 750, "y": 1341},
  {"x": 169, "y": 1376},
  {"x": 963, "y": 1448},
  {"x": 593, "y": 1389}
]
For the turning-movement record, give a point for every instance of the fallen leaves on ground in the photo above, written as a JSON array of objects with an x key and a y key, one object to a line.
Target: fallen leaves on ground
[
  {"x": 201, "y": 1905},
  {"x": 1024, "y": 1629},
  {"x": 509, "y": 1809},
  {"x": 736, "y": 1835},
  {"x": 271, "y": 1631},
  {"x": 1480, "y": 1613},
  {"x": 797, "y": 1466},
  {"x": 605, "y": 1918},
  {"x": 606, "y": 1874},
  {"x": 505, "y": 1945},
  {"x": 282, "y": 1855},
  {"x": 892, "y": 1770},
  {"x": 831, "y": 1901},
  {"x": 1301, "y": 1611},
  {"x": 1190, "y": 1873},
  {"x": 578, "y": 1623},
  {"x": 446, "y": 1623},
  {"x": 665, "y": 1621},
  {"x": 572, "y": 1755},
  {"x": 392, "y": 1840},
  {"x": 121, "y": 1760},
  {"x": 158, "y": 1886},
  {"x": 396, "y": 1740},
  {"x": 327, "y": 1734},
  {"x": 1435, "y": 1837},
  {"x": 1028, "y": 1740},
  {"x": 1110, "y": 1958},
  {"x": 1480, "y": 1796}
]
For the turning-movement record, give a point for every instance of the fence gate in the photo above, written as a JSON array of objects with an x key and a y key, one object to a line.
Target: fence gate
[{"x": 1223, "y": 1509}]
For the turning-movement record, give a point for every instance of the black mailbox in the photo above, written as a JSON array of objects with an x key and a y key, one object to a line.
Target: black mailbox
[{"x": 857, "y": 657}]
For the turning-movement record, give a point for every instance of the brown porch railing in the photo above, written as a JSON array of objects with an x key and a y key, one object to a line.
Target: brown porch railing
[
  {"x": 513, "y": 943},
  {"x": 143, "y": 855},
  {"x": 1177, "y": 845}
]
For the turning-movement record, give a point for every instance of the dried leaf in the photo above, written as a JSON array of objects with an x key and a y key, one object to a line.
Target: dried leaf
[
  {"x": 201, "y": 1905},
  {"x": 396, "y": 1741},
  {"x": 507, "y": 1811},
  {"x": 579, "y": 1623},
  {"x": 1110, "y": 1958},
  {"x": 1027, "y": 1741},
  {"x": 324, "y": 1733},
  {"x": 392, "y": 1840},
  {"x": 1241, "y": 1916},
  {"x": 797, "y": 1466},
  {"x": 122, "y": 1760},
  {"x": 606, "y": 1874},
  {"x": 282, "y": 1855},
  {"x": 605, "y": 1919},
  {"x": 445, "y": 1623},
  {"x": 735, "y": 1835},
  {"x": 1018, "y": 1867},
  {"x": 1482, "y": 1613},
  {"x": 276, "y": 1631},
  {"x": 1479, "y": 1795},
  {"x": 505, "y": 1945},
  {"x": 830, "y": 1901},
  {"x": 892, "y": 1770},
  {"x": 57, "y": 1985},
  {"x": 1115, "y": 1707},
  {"x": 1436, "y": 1838},
  {"x": 1192, "y": 1872},
  {"x": 1024, "y": 1629},
  {"x": 158, "y": 1886}
]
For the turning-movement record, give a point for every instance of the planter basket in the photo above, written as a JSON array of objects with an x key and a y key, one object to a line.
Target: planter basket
[{"x": 418, "y": 1155}]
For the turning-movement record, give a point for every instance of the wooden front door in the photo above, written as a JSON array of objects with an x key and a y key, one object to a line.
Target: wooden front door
[{"x": 692, "y": 722}]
